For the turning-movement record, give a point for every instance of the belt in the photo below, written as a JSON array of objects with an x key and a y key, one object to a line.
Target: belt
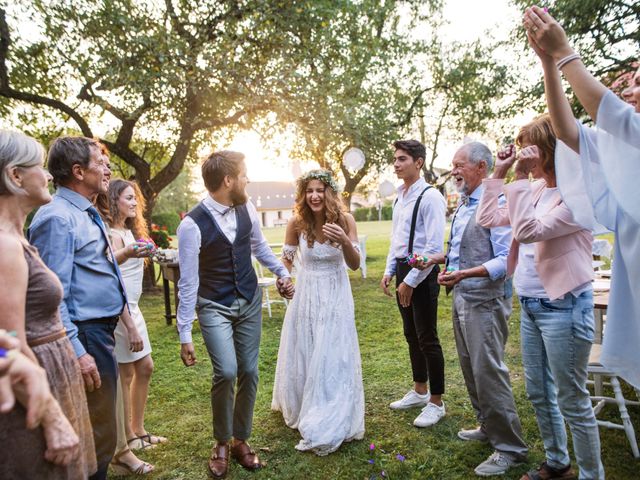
[
  {"x": 52, "y": 337},
  {"x": 104, "y": 320}
]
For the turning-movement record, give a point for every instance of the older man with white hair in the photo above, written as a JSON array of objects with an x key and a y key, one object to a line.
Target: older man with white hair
[{"x": 476, "y": 273}]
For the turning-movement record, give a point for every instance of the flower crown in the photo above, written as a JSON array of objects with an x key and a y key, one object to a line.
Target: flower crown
[{"x": 323, "y": 175}]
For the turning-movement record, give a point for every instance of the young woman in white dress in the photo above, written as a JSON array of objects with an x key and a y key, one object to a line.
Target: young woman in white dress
[
  {"x": 124, "y": 215},
  {"x": 318, "y": 382}
]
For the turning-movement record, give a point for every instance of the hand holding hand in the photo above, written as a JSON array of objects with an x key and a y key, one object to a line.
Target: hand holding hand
[
  {"x": 285, "y": 286},
  {"x": 335, "y": 234},
  {"x": 188, "y": 354},
  {"x": 90, "y": 373},
  {"x": 505, "y": 159},
  {"x": 384, "y": 285}
]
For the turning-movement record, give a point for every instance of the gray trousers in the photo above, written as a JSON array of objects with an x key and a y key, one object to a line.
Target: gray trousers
[
  {"x": 481, "y": 333},
  {"x": 232, "y": 337}
]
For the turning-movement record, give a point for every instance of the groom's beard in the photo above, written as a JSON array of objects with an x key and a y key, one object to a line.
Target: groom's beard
[{"x": 239, "y": 197}]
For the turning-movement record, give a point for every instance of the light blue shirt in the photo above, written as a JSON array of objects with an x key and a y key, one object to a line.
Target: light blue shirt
[
  {"x": 500, "y": 237},
  {"x": 76, "y": 249}
]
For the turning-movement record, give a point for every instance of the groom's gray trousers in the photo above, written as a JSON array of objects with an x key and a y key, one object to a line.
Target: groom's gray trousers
[
  {"x": 481, "y": 332},
  {"x": 232, "y": 337}
]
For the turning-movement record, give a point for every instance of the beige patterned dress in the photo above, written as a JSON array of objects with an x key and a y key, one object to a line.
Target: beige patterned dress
[{"x": 22, "y": 451}]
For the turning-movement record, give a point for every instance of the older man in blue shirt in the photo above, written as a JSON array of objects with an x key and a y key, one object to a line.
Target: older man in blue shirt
[
  {"x": 72, "y": 241},
  {"x": 476, "y": 272}
]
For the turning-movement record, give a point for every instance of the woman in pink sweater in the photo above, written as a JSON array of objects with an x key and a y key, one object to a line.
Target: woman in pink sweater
[{"x": 551, "y": 258}]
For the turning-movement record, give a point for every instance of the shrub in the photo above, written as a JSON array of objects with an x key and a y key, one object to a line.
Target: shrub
[
  {"x": 160, "y": 236},
  {"x": 171, "y": 220},
  {"x": 361, "y": 214}
]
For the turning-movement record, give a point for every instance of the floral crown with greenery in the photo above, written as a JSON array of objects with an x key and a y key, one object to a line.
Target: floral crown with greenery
[{"x": 323, "y": 175}]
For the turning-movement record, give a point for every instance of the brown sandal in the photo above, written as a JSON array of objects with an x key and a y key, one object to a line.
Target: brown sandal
[{"x": 545, "y": 472}]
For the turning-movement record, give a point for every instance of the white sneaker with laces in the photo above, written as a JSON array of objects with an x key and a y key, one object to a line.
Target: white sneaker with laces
[
  {"x": 497, "y": 464},
  {"x": 476, "y": 434},
  {"x": 430, "y": 415},
  {"x": 410, "y": 400}
]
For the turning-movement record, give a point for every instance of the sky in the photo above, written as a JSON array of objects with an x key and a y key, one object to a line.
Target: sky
[{"x": 478, "y": 16}]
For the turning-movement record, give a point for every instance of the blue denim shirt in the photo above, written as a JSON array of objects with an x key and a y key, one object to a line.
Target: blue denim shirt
[
  {"x": 75, "y": 248},
  {"x": 500, "y": 237}
]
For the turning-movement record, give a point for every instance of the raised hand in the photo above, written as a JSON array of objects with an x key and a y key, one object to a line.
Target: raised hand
[
  {"x": 546, "y": 32},
  {"x": 528, "y": 158},
  {"x": 505, "y": 158}
]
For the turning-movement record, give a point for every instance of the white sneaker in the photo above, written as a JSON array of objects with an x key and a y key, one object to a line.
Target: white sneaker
[
  {"x": 496, "y": 464},
  {"x": 430, "y": 415},
  {"x": 410, "y": 400},
  {"x": 476, "y": 434}
]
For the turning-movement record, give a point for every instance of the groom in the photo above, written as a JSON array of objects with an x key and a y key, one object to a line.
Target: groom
[{"x": 217, "y": 239}]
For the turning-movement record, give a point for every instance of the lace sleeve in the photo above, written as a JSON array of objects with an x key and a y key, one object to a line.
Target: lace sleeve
[{"x": 289, "y": 252}]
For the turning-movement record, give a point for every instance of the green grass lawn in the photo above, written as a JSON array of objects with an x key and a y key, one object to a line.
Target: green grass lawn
[{"x": 179, "y": 405}]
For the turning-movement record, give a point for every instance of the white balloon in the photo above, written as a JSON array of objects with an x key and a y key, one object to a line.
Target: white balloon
[
  {"x": 386, "y": 188},
  {"x": 353, "y": 159}
]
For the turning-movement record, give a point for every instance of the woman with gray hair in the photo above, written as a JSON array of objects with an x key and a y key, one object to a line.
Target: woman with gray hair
[{"x": 62, "y": 447}]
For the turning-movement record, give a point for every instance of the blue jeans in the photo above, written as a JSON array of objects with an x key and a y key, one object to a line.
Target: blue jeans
[{"x": 556, "y": 342}]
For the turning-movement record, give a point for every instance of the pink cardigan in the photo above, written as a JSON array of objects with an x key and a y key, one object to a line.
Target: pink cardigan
[{"x": 562, "y": 247}]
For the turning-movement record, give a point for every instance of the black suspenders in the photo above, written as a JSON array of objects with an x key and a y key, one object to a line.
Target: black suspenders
[{"x": 414, "y": 217}]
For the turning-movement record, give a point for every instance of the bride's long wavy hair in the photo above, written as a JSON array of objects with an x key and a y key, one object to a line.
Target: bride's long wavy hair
[
  {"x": 108, "y": 206},
  {"x": 333, "y": 207}
]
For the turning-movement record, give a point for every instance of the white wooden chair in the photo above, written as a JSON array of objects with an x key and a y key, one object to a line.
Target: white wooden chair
[
  {"x": 264, "y": 283},
  {"x": 599, "y": 372}
]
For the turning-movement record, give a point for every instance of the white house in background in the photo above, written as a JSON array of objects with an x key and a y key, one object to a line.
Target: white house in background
[{"x": 273, "y": 200}]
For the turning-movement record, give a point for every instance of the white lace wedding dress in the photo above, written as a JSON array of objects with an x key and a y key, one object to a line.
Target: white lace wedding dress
[{"x": 318, "y": 383}]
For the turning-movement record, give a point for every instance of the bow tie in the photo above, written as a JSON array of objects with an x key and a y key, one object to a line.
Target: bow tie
[{"x": 225, "y": 211}]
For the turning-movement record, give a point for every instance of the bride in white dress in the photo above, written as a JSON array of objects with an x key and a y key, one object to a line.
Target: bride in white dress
[{"x": 318, "y": 383}]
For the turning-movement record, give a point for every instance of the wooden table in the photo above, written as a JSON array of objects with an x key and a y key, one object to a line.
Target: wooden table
[{"x": 170, "y": 273}]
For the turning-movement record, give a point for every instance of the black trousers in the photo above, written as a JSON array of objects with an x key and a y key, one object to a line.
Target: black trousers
[
  {"x": 98, "y": 339},
  {"x": 420, "y": 322}
]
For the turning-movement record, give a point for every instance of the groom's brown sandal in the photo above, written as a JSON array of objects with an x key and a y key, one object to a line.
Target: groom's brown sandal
[
  {"x": 218, "y": 463},
  {"x": 246, "y": 457}
]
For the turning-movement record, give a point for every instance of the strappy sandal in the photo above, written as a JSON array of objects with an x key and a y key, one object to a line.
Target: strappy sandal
[
  {"x": 122, "y": 469},
  {"x": 139, "y": 443},
  {"x": 152, "y": 439}
]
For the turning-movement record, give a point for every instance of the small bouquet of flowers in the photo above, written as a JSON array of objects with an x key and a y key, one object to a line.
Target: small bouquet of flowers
[{"x": 414, "y": 258}]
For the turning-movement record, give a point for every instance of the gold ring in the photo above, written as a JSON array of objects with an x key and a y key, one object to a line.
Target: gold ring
[{"x": 534, "y": 28}]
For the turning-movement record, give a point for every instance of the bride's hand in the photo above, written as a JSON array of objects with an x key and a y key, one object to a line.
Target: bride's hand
[{"x": 335, "y": 233}]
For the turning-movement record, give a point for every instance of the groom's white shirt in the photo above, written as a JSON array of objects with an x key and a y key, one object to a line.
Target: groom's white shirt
[{"x": 189, "y": 241}]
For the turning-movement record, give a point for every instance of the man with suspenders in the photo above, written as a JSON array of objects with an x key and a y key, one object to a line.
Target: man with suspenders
[{"x": 418, "y": 227}]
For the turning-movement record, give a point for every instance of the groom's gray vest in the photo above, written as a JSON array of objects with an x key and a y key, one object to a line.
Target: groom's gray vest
[
  {"x": 476, "y": 249},
  {"x": 225, "y": 268}
]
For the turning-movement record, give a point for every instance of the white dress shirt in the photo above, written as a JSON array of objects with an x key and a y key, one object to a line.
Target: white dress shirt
[
  {"x": 429, "y": 231},
  {"x": 189, "y": 241}
]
